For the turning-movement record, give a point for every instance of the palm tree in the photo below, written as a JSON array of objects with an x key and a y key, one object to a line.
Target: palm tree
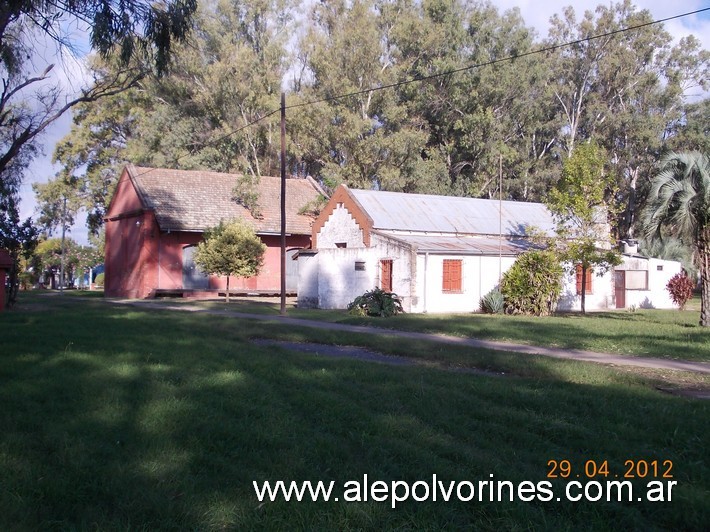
[{"x": 679, "y": 204}]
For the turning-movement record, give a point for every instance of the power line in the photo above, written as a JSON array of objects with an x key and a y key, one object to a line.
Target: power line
[{"x": 496, "y": 61}]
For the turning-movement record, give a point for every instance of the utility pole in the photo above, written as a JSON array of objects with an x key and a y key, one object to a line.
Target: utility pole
[
  {"x": 283, "y": 203},
  {"x": 500, "y": 219}
]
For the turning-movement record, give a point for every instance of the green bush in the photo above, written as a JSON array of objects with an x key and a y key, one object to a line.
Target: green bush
[
  {"x": 493, "y": 302},
  {"x": 376, "y": 302},
  {"x": 533, "y": 284},
  {"x": 99, "y": 280}
]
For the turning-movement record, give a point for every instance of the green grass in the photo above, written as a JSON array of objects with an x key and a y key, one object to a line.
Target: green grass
[
  {"x": 118, "y": 418},
  {"x": 668, "y": 334}
]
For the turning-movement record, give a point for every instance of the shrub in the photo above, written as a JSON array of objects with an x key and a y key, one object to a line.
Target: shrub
[
  {"x": 533, "y": 284},
  {"x": 376, "y": 302},
  {"x": 493, "y": 302},
  {"x": 680, "y": 288},
  {"x": 99, "y": 280}
]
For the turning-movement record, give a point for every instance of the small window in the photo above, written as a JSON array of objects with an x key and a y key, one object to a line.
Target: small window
[
  {"x": 659, "y": 267},
  {"x": 588, "y": 283},
  {"x": 359, "y": 265},
  {"x": 341, "y": 244},
  {"x": 452, "y": 276}
]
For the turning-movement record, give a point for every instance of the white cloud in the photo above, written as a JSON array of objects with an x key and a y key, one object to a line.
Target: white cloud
[{"x": 537, "y": 14}]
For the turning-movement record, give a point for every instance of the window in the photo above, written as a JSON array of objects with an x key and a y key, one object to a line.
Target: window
[
  {"x": 341, "y": 244},
  {"x": 636, "y": 280},
  {"x": 659, "y": 267},
  {"x": 452, "y": 276},
  {"x": 588, "y": 284},
  {"x": 359, "y": 265},
  {"x": 386, "y": 275}
]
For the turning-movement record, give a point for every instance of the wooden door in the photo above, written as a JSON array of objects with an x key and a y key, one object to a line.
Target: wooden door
[
  {"x": 386, "y": 275},
  {"x": 192, "y": 276}
]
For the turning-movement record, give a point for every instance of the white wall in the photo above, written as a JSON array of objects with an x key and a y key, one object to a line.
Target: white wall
[
  {"x": 307, "y": 280},
  {"x": 480, "y": 276},
  {"x": 330, "y": 279},
  {"x": 340, "y": 228},
  {"x": 601, "y": 298},
  {"x": 656, "y": 296},
  {"x": 339, "y": 282}
]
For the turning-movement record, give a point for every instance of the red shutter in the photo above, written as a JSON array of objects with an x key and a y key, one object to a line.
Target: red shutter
[
  {"x": 386, "y": 275},
  {"x": 588, "y": 287},
  {"x": 452, "y": 276}
]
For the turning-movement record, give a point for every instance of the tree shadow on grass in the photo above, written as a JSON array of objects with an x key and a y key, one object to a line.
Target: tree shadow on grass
[{"x": 163, "y": 421}]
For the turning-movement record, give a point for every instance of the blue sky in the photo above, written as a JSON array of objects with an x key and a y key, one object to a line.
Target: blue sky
[{"x": 534, "y": 12}]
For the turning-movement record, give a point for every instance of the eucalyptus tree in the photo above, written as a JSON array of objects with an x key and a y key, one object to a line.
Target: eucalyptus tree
[
  {"x": 196, "y": 116},
  {"x": 368, "y": 138},
  {"x": 31, "y": 100},
  {"x": 478, "y": 106},
  {"x": 622, "y": 84}
]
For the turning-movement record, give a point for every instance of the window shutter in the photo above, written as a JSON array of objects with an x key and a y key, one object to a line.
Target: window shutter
[
  {"x": 588, "y": 287},
  {"x": 452, "y": 276},
  {"x": 386, "y": 275}
]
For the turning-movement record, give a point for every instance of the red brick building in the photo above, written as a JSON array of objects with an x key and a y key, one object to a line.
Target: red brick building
[{"x": 157, "y": 216}]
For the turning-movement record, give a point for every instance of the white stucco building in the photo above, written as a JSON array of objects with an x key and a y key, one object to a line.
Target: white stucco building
[{"x": 442, "y": 254}]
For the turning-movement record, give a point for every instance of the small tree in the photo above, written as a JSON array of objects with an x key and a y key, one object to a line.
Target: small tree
[
  {"x": 578, "y": 205},
  {"x": 231, "y": 248}
]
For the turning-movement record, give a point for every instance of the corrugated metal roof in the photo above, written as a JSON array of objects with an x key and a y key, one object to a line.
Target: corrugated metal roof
[
  {"x": 449, "y": 214},
  {"x": 463, "y": 245}
]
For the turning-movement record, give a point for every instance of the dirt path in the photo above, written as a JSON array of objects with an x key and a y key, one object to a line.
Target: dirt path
[{"x": 554, "y": 352}]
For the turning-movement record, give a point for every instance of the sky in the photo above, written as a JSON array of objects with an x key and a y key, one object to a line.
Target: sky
[{"x": 535, "y": 13}]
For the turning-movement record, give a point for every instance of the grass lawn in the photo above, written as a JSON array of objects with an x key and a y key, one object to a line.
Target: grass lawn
[
  {"x": 120, "y": 418},
  {"x": 650, "y": 333}
]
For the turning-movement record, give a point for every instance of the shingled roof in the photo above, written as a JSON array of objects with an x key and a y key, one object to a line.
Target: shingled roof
[{"x": 193, "y": 200}]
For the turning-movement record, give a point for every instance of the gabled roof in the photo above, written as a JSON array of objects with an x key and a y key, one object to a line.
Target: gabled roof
[
  {"x": 398, "y": 211},
  {"x": 193, "y": 200}
]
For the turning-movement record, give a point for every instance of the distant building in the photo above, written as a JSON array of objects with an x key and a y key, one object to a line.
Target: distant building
[{"x": 157, "y": 216}]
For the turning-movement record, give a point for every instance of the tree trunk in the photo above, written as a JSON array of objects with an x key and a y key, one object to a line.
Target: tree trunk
[
  {"x": 584, "y": 288},
  {"x": 226, "y": 294},
  {"x": 704, "y": 263}
]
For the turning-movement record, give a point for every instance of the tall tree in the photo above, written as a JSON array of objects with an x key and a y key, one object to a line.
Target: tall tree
[
  {"x": 578, "y": 204},
  {"x": 367, "y": 139},
  {"x": 679, "y": 205},
  {"x": 622, "y": 88},
  {"x": 131, "y": 29},
  {"x": 196, "y": 116}
]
